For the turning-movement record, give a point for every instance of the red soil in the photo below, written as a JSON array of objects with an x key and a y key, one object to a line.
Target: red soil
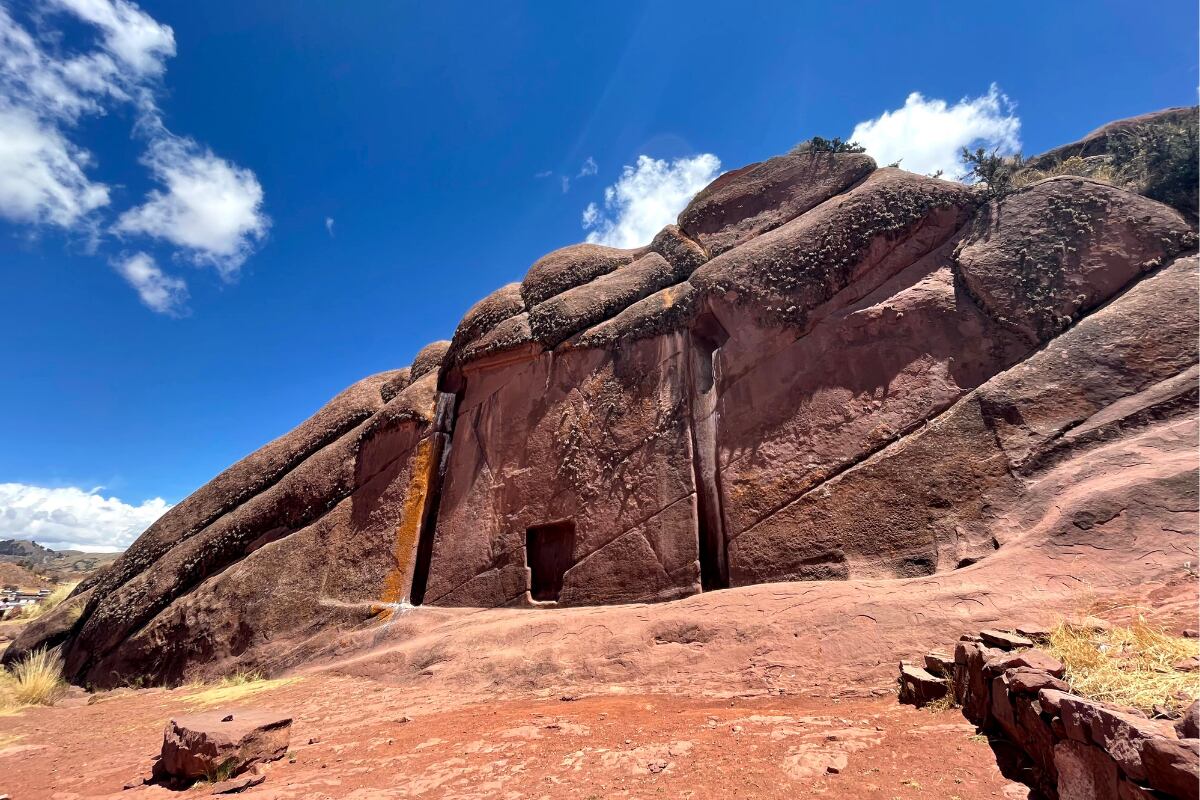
[{"x": 351, "y": 740}]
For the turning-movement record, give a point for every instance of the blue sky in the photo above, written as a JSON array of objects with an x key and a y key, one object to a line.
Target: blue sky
[{"x": 224, "y": 213}]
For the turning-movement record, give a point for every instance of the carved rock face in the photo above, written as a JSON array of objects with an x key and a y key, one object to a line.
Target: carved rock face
[{"x": 824, "y": 372}]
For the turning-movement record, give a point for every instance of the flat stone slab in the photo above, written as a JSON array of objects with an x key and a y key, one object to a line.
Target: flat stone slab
[
  {"x": 920, "y": 687},
  {"x": 1005, "y": 639},
  {"x": 221, "y": 745},
  {"x": 1032, "y": 659}
]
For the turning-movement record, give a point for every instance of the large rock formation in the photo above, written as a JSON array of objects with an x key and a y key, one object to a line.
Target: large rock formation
[{"x": 825, "y": 371}]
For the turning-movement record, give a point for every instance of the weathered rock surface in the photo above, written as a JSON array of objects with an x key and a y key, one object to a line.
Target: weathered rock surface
[
  {"x": 746, "y": 202},
  {"x": 1039, "y": 258},
  {"x": 329, "y": 540},
  {"x": 218, "y": 745},
  {"x": 919, "y": 687},
  {"x": 483, "y": 317},
  {"x": 825, "y": 371},
  {"x": 568, "y": 267}
]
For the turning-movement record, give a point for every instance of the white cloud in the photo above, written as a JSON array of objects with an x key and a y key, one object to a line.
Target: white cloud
[
  {"x": 329, "y": 225},
  {"x": 42, "y": 179},
  {"x": 208, "y": 207},
  {"x": 73, "y": 519},
  {"x": 160, "y": 292},
  {"x": 566, "y": 183},
  {"x": 55, "y": 88},
  {"x": 129, "y": 33},
  {"x": 927, "y": 135},
  {"x": 647, "y": 197},
  {"x": 589, "y": 168},
  {"x": 211, "y": 208}
]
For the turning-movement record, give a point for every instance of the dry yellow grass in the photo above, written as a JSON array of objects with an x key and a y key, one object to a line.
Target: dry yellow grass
[
  {"x": 34, "y": 680},
  {"x": 1127, "y": 665},
  {"x": 48, "y": 603},
  {"x": 234, "y": 687},
  {"x": 8, "y": 692},
  {"x": 1096, "y": 170},
  {"x": 943, "y": 703}
]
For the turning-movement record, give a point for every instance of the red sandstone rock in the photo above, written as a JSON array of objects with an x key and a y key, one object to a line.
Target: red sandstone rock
[
  {"x": 1122, "y": 735},
  {"x": 746, "y": 202},
  {"x": 1127, "y": 790},
  {"x": 868, "y": 234},
  {"x": 217, "y": 743},
  {"x": 1100, "y": 149},
  {"x": 972, "y": 688},
  {"x": 666, "y": 310},
  {"x": 798, "y": 411},
  {"x": 394, "y": 385},
  {"x": 1172, "y": 766},
  {"x": 569, "y": 267},
  {"x": 1084, "y": 772},
  {"x": 238, "y": 784},
  {"x": 511, "y": 337},
  {"x": 940, "y": 664},
  {"x": 1033, "y": 659},
  {"x": 620, "y": 486},
  {"x": 483, "y": 317},
  {"x": 1051, "y": 699},
  {"x": 918, "y": 687},
  {"x": 1033, "y": 631},
  {"x": 428, "y": 359},
  {"x": 1037, "y": 739},
  {"x": 1024, "y": 680},
  {"x": 1006, "y": 640},
  {"x": 581, "y": 307},
  {"x": 1188, "y": 726},
  {"x": 844, "y": 394},
  {"x": 1038, "y": 259},
  {"x": 684, "y": 254},
  {"x": 1002, "y": 712}
]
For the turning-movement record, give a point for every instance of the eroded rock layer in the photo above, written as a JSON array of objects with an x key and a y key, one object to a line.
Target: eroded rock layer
[{"x": 825, "y": 371}]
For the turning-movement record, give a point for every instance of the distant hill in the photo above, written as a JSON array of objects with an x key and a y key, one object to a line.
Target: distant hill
[
  {"x": 36, "y": 562},
  {"x": 20, "y": 577}
]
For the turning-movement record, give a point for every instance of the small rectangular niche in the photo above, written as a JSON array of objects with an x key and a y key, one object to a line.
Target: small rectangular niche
[{"x": 548, "y": 552}]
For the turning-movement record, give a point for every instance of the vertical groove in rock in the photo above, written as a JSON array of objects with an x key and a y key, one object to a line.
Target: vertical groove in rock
[
  {"x": 704, "y": 343},
  {"x": 443, "y": 436}
]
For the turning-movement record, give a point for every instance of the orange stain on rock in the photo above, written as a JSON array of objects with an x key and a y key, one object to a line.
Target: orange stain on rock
[{"x": 399, "y": 581}]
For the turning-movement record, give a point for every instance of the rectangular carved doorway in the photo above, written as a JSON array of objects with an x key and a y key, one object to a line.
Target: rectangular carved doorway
[{"x": 548, "y": 552}]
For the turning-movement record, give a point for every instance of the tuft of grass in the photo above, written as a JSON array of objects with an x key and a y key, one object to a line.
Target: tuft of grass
[
  {"x": 221, "y": 772},
  {"x": 234, "y": 687},
  {"x": 35, "y": 680},
  {"x": 8, "y": 692},
  {"x": 1160, "y": 161},
  {"x": 1099, "y": 169},
  {"x": 943, "y": 703},
  {"x": 1128, "y": 665},
  {"x": 47, "y": 603}
]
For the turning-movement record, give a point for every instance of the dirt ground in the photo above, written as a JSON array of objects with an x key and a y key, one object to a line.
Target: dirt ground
[
  {"x": 356, "y": 738},
  {"x": 774, "y": 690}
]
